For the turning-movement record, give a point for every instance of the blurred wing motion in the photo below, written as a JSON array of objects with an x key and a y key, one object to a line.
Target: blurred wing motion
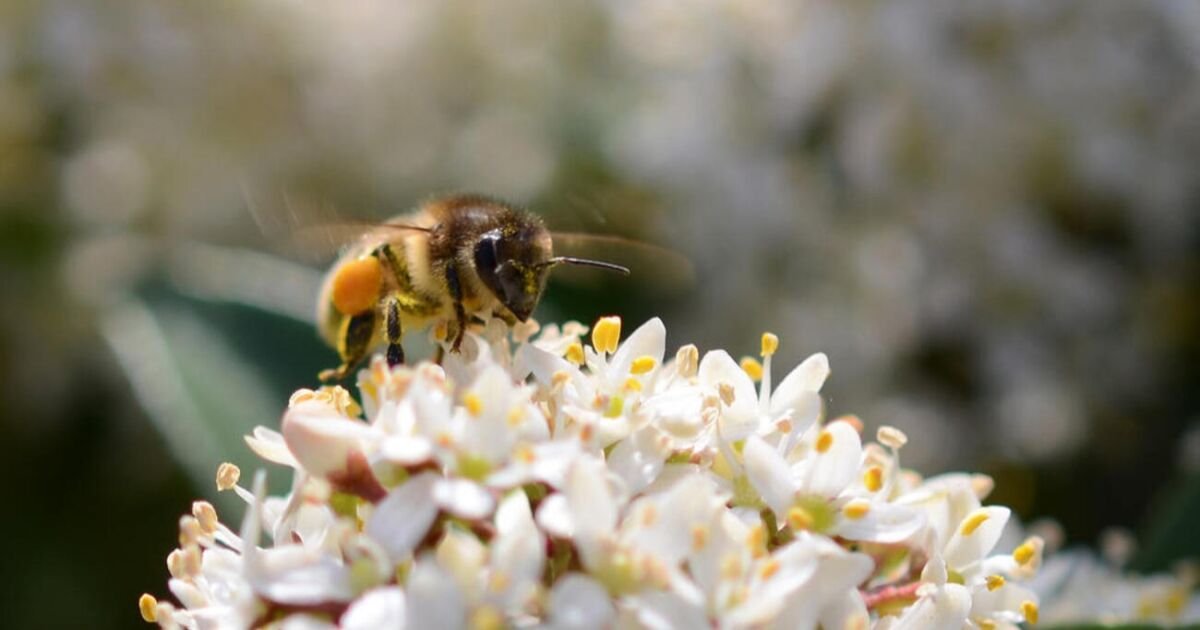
[{"x": 650, "y": 265}]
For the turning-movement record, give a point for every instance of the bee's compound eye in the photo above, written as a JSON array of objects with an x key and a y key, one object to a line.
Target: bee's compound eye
[{"x": 356, "y": 285}]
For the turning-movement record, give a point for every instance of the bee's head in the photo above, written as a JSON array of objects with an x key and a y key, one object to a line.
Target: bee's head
[{"x": 513, "y": 262}]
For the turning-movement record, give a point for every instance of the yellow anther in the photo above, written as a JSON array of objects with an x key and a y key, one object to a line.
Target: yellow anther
[
  {"x": 699, "y": 537},
  {"x": 575, "y": 353},
  {"x": 752, "y": 368},
  {"x": 972, "y": 522},
  {"x": 498, "y": 582},
  {"x": 301, "y": 395},
  {"x": 473, "y": 403},
  {"x": 856, "y": 509},
  {"x": 633, "y": 385},
  {"x": 784, "y": 425},
  {"x": 606, "y": 334},
  {"x": 148, "y": 607},
  {"x": 994, "y": 582},
  {"x": 725, "y": 390},
  {"x": 824, "y": 441},
  {"x": 1030, "y": 610},
  {"x": 853, "y": 421},
  {"x": 687, "y": 361},
  {"x": 649, "y": 515},
  {"x": 798, "y": 518},
  {"x": 185, "y": 563},
  {"x": 206, "y": 514},
  {"x": 525, "y": 454},
  {"x": 891, "y": 437},
  {"x": 731, "y": 566},
  {"x": 987, "y": 624},
  {"x": 770, "y": 343},
  {"x": 486, "y": 618},
  {"x": 190, "y": 532},
  {"x": 873, "y": 478},
  {"x": 560, "y": 379},
  {"x": 586, "y": 432},
  {"x": 756, "y": 540},
  {"x": 643, "y": 364},
  {"x": 768, "y": 569},
  {"x": 227, "y": 476},
  {"x": 1024, "y": 553},
  {"x": 444, "y": 439},
  {"x": 515, "y": 416}
]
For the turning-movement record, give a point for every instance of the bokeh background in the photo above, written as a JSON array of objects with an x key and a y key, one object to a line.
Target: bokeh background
[{"x": 987, "y": 214}]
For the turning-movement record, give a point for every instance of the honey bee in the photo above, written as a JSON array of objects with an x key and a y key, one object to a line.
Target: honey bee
[{"x": 455, "y": 258}]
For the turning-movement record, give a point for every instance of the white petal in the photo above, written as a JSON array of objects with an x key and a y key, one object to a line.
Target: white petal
[
  {"x": 463, "y": 498},
  {"x": 769, "y": 474},
  {"x": 830, "y": 472},
  {"x": 435, "y": 601},
  {"x": 884, "y": 523},
  {"x": 407, "y": 450},
  {"x": 378, "y": 608},
  {"x": 637, "y": 460},
  {"x": 519, "y": 548},
  {"x": 809, "y": 376},
  {"x": 403, "y": 518},
  {"x": 965, "y": 550},
  {"x": 320, "y": 438},
  {"x": 718, "y": 367},
  {"x": 578, "y": 602},
  {"x": 667, "y": 611},
  {"x": 269, "y": 445},
  {"x": 593, "y": 507},
  {"x": 945, "y": 609},
  {"x": 649, "y": 339},
  {"x": 554, "y": 516}
]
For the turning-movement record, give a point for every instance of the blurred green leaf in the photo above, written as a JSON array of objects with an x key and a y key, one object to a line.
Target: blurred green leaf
[{"x": 1171, "y": 533}]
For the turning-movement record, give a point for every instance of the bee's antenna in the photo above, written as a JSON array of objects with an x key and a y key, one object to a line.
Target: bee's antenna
[{"x": 585, "y": 262}]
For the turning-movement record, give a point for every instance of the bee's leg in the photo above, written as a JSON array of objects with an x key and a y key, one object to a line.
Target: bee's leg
[
  {"x": 395, "y": 352},
  {"x": 460, "y": 314},
  {"x": 354, "y": 341}
]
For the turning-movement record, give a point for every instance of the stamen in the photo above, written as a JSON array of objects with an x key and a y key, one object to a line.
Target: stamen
[
  {"x": 699, "y": 537},
  {"x": 486, "y": 618},
  {"x": 756, "y": 540},
  {"x": 1027, "y": 552},
  {"x": 726, "y": 392},
  {"x": 1030, "y": 610},
  {"x": 824, "y": 441},
  {"x": 498, "y": 581},
  {"x": 856, "y": 509},
  {"x": 649, "y": 516},
  {"x": 148, "y": 606},
  {"x": 227, "y": 476},
  {"x": 853, "y": 421},
  {"x": 301, "y": 395},
  {"x": 752, "y": 368},
  {"x": 643, "y": 364},
  {"x": 206, "y": 515},
  {"x": 994, "y": 582},
  {"x": 873, "y": 478},
  {"x": 687, "y": 361},
  {"x": 731, "y": 566},
  {"x": 768, "y": 569},
  {"x": 799, "y": 519},
  {"x": 525, "y": 454},
  {"x": 473, "y": 403},
  {"x": 633, "y": 385},
  {"x": 770, "y": 343},
  {"x": 515, "y": 416},
  {"x": 560, "y": 379},
  {"x": 972, "y": 522},
  {"x": 606, "y": 334},
  {"x": 190, "y": 532},
  {"x": 891, "y": 437},
  {"x": 575, "y": 353}
]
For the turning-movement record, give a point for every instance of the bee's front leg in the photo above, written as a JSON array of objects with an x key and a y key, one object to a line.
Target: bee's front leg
[
  {"x": 354, "y": 341},
  {"x": 460, "y": 313}
]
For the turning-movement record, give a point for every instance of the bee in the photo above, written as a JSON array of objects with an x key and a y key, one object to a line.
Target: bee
[{"x": 455, "y": 258}]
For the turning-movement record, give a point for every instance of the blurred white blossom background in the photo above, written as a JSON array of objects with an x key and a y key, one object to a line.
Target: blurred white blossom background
[{"x": 985, "y": 214}]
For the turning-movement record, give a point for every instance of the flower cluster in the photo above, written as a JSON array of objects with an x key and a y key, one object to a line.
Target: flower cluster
[{"x": 536, "y": 480}]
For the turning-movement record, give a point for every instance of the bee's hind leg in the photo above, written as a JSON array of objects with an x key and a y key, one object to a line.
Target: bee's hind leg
[
  {"x": 354, "y": 341},
  {"x": 394, "y": 331}
]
